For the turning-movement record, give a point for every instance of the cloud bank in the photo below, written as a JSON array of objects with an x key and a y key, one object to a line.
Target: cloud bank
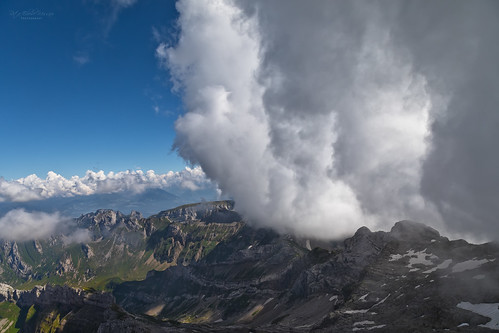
[
  {"x": 34, "y": 188},
  {"x": 319, "y": 117},
  {"x": 19, "y": 225}
]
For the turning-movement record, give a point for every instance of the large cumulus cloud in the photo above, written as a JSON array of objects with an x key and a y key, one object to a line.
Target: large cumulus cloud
[
  {"x": 454, "y": 45},
  {"x": 319, "y": 117}
]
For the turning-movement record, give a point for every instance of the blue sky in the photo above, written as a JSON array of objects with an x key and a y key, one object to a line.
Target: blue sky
[{"x": 81, "y": 88}]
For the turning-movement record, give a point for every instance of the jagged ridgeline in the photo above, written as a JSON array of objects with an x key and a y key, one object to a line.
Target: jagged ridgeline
[
  {"x": 200, "y": 268},
  {"x": 118, "y": 247}
]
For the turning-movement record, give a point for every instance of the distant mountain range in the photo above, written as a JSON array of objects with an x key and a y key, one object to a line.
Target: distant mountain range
[
  {"x": 201, "y": 268},
  {"x": 148, "y": 202}
]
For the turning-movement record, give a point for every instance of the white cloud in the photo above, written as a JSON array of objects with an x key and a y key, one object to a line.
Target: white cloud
[
  {"x": 309, "y": 115},
  {"x": 54, "y": 185},
  {"x": 322, "y": 116},
  {"x": 19, "y": 225},
  {"x": 77, "y": 236}
]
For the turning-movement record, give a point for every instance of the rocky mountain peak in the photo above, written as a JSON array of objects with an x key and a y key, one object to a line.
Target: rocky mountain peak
[
  {"x": 135, "y": 216},
  {"x": 108, "y": 219},
  {"x": 363, "y": 245},
  {"x": 413, "y": 231},
  {"x": 362, "y": 231}
]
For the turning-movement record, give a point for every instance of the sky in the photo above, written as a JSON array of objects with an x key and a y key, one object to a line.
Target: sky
[
  {"x": 317, "y": 118},
  {"x": 81, "y": 88}
]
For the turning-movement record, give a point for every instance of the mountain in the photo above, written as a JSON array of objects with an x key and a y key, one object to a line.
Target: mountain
[
  {"x": 115, "y": 247},
  {"x": 201, "y": 268},
  {"x": 148, "y": 202},
  {"x": 409, "y": 279}
]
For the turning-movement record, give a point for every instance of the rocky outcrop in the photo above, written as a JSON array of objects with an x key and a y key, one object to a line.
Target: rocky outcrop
[
  {"x": 15, "y": 261},
  {"x": 105, "y": 220},
  {"x": 65, "y": 266},
  {"x": 38, "y": 246},
  {"x": 217, "y": 211},
  {"x": 48, "y": 294},
  {"x": 89, "y": 253},
  {"x": 65, "y": 309},
  {"x": 413, "y": 231},
  {"x": 193, "y": 231},
  {"x": 6, "y": 292}
]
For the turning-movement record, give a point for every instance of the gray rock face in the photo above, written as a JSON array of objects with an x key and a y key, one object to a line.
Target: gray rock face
[
  {"x": 38, "y": 246},
  {"x": 6, "y": 292},
  {"x": 70, "y": 310},
  {"x": 14, "y": 260},
  {"x": 106, "y": 219},
  {"x": 413, "y": 231},
  {"x": 45, "y": 295}
]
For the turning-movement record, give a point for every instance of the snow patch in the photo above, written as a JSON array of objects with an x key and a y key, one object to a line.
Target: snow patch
[
  {"x": 443, "y": 265},
  {"x": 382, "y": 301},
  {"x": 363, "y": 298},
  {"x": 490, "y": 310},
  {"x": 415, "y": 258},
  {"x": 479, "y": 277},
  {"x": 420, "y": 258},
  {"x": 356, "y": 311},
  {"x": 469, "y": 265},
  {"x": 367, "y": 328},
  {"x": 268, "y": 301},
  {"x": 395, "y": 257},
  {"x": 333, "y": 298}
]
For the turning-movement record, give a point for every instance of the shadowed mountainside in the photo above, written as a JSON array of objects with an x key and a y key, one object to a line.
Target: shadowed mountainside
[{"x": 210, "y": 272}]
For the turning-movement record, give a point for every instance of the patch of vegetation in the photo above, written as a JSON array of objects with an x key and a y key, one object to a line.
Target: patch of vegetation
[
  {"x": 31, "y": 313},
  {"x": 256, "y": 312},
  {"x": 50, "y": 322},
  {"x": 9, "y": 311},
  {"x": 162, "y": 252}
]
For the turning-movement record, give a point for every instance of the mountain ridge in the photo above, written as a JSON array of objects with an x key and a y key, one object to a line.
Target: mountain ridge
[{"x": 201, "y": 267}]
